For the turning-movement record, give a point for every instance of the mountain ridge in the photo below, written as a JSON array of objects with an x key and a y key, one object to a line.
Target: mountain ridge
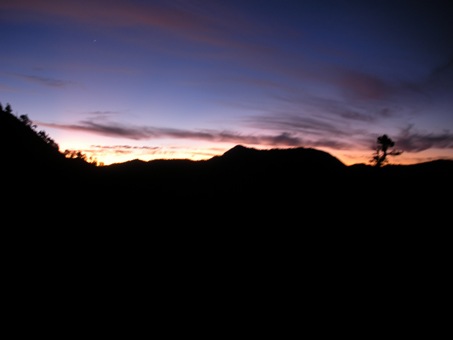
[
  {"x": 241, "y": 173},
  {"x": 23, "y": 143}
]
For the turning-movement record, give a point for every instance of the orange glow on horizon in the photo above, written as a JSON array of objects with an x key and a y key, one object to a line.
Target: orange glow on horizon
[{"x": 119, "y": 154}]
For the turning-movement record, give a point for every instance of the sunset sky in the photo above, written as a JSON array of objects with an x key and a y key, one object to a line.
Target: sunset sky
[{"x": 121, "y": 80}]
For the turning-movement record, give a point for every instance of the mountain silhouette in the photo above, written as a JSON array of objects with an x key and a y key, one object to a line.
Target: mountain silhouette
[
  {"x": 290, "y": 183},
  {"x": 301, "y": 158}
]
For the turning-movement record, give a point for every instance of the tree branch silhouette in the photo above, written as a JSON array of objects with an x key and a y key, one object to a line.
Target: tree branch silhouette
[{"x": 382, "y": 151}]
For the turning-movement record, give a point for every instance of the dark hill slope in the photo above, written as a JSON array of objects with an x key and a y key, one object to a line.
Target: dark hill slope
[
  {"x": 22, "y": 145},
  {"x": 31, "y": 160}
]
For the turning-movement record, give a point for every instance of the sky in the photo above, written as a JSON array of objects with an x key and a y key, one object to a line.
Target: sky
[{"x": 190, "y": 79}]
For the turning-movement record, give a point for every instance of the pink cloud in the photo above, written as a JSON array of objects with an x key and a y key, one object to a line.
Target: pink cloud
[
  {"x": 362, "y": 86},
  {"x": 183, "y": 22}
]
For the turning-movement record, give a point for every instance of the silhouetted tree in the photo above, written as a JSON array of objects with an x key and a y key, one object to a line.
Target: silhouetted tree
[
  {"x": 8, "y": 109},
  {"x": 47, "y": 139},
  {"x": 79, "y": 155},
  {"x": 27, "y": 122},
  {"x": 75, "y": 154},
  {"x": 382, "y": 151}
]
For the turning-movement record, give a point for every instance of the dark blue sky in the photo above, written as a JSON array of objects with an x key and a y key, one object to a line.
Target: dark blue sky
[{"x": 121, "y": 80}]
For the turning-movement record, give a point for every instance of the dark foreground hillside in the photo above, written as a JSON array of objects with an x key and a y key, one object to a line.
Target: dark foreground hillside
[
  {"x": 299, "y": 185},
  {"x": 250, "y": 215}
]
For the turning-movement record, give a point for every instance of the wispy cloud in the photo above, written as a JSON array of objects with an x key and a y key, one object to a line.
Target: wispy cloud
[
  {"x": 6, "y": 88},
  {"x": 362, "y": 86},
  {"x": 45, "y": 81},
  {"x": 149, "y": 132},
  {"x": 182, "y": 19},
  {"x": 414, "y": 141},
  {"x": 103, "y": 113}
]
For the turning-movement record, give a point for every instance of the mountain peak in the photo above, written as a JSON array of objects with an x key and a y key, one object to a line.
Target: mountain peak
[{"x": 239, "y": 151}]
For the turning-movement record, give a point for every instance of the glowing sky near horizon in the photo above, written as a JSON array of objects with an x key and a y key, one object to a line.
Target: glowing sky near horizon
[{"x": 120, "y": 80}]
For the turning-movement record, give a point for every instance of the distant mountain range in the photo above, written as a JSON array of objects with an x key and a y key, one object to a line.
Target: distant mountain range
[{"x": 298, "y": 179}]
